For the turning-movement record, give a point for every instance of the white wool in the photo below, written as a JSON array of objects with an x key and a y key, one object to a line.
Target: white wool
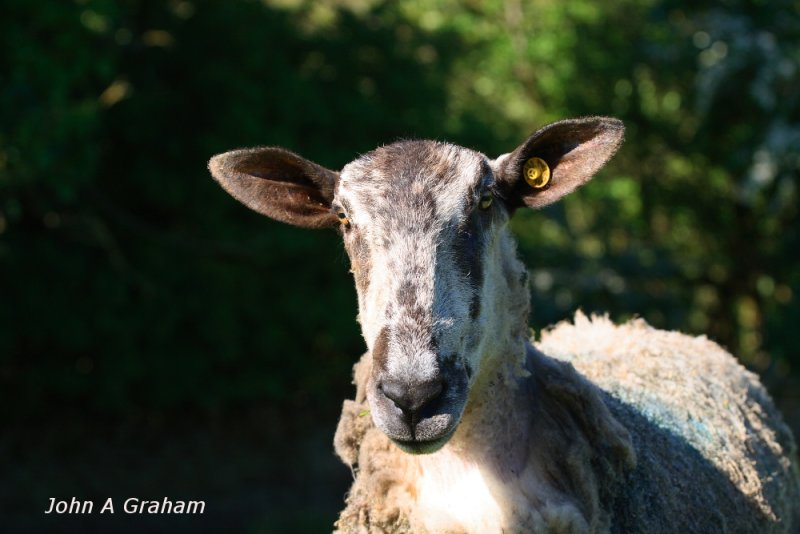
[{"x": 454, "y": 495}]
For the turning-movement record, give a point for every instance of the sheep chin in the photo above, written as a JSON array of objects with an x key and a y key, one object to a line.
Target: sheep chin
[{"x": 423, "y": 447}]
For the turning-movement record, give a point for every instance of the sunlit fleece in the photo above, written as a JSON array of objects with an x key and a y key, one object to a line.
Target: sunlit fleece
[{"x": 454, "y": 494}]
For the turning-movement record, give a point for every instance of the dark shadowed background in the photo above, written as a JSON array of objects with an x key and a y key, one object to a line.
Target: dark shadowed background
[{"x": 159, "y": 339}]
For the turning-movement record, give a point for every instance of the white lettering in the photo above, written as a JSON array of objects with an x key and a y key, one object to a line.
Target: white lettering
[
  {"x": 73, "y": 506},
  {"x": 192, "y": 507},
  {"x": 131, "y": 505},
  {"x": 108, "y": 506}
]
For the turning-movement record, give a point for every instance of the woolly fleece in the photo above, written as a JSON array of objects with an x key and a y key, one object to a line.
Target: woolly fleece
[{"x": 626, "y": 428}]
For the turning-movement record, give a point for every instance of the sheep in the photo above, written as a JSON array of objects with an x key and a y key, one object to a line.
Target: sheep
[{"x": 460, "y": 422}]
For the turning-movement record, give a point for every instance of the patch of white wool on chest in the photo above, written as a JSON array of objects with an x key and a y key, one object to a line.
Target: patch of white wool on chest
[{"x": 454, "y": 495}]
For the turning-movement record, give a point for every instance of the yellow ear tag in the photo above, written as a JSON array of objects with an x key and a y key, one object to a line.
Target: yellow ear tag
[{"x": 536, "y": 173}]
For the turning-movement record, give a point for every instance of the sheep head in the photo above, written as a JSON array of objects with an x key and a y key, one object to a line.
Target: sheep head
[{"x": 421, "y": 222}]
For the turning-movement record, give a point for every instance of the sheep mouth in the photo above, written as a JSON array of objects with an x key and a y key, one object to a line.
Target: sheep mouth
[
  {"x": 423, "y": 446},
  {"x": 417, "y": 436},
  {"x": 420, "y": 432},
  {"x": 425, "y": 429}
]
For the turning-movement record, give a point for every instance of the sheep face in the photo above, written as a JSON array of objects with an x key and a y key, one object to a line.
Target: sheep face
[{"x": 422, "y": 222}]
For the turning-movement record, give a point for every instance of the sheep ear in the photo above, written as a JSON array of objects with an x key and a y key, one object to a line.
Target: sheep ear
[
  {"x": 573, "y": 150},
  {"x": 279, "y": 184}
]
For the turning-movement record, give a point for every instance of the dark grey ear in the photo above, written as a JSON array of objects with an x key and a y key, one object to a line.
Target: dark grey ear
[
  {"x": 574, "y": 149},
  {"x": 279, "y": 184}
]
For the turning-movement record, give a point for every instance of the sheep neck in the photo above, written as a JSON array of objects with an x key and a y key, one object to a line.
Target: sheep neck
[{"x": 495, "y": 395}]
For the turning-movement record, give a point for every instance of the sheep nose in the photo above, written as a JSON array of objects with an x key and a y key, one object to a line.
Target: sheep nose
[{"x": 411, "y": 397}]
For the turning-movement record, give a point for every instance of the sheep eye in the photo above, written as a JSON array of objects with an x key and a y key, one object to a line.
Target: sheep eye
[
  {"x": 486, "y": 201},
  {"x": 343, "y": 219}
]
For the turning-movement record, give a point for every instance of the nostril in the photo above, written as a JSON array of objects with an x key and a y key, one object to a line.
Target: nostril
[
  {"x": 396, "y": 392},
  {"x": 411, "y": 397},
  {"x": 429, "y": 391}
]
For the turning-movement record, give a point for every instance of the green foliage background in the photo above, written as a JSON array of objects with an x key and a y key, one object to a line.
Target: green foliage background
[{"x": 155, "y": 335}]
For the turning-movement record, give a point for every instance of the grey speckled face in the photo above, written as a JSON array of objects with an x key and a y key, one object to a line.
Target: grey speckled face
[{"x": 420, "y": 216}]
